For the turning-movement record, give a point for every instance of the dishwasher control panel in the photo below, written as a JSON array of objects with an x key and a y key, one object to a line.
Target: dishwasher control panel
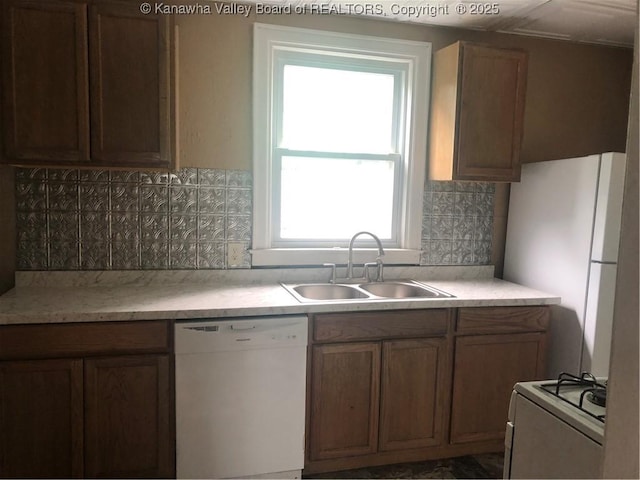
[{"x": 211, "y": 335}]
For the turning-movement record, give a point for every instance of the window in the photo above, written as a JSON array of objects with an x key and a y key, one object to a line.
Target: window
[{"x": 339, "y": 143}]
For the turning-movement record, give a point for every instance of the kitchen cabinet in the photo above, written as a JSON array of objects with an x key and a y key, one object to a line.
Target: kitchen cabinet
[
  {"x": 373, "y": 391},
  {"x": 388, "y": 387},
  {"x": 93, "y": 88},
  {"x": 128, "y": 417},
  {"x": 344, "y": 403},
  {"x": 477, "y": 113},
  {"x": 495, "y": 348},
  {"x": 412, "y": 401},
  {"x": 41, "y": 419},
  {"x": 87, "y": 400}
]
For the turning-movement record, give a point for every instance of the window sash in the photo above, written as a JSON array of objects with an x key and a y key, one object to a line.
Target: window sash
[
  {"x": 276, "y": 197},
  {"x": 269, "y": 42},
  {"x": 332, "y": 60}
]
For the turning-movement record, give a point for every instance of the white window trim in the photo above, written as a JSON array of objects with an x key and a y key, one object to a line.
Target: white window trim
[{"x": 268, "y": 38}]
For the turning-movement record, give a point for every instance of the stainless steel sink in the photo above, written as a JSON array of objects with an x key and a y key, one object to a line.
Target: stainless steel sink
[
  {"x": 401, "y": 290},
  {"x": 327, "y": 291},
  {"x": 398, "y": 289}
]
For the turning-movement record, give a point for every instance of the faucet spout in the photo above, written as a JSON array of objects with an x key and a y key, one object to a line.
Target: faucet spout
[{"x": 378, "y": 258}]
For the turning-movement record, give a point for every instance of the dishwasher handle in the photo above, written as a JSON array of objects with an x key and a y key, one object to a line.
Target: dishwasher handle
[{"x": 241, "y": 327}]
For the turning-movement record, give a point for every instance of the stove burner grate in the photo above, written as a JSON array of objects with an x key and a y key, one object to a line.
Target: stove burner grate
[{"x": 594, "y": 392}]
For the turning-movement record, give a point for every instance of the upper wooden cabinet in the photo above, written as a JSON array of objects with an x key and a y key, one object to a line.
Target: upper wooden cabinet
[
  {"x": 477, "y": 112},
  {"x": 46, "y": 88},
  {"x": 93, "y": 87}
]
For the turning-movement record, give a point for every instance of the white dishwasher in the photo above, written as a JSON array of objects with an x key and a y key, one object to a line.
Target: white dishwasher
[{"x": 240, "y": 397}]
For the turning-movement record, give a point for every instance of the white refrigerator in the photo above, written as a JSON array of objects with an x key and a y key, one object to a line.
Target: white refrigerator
[{"x": 563, "y": 232}]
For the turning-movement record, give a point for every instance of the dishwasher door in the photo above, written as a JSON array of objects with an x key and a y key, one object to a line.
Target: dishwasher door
[{"x": 240, "y": 397}]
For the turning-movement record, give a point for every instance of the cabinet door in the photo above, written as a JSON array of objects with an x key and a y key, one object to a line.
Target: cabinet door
[
  {"x": 486, "y": 369},
  {"x": 46, "y": 92},
  {"x": 129, "y": 73},
  {"x": 41, "y": 419},
  {"x": 345, "y": 389},
  {"x": 413, "y": 394},
  {"x": 491, "y": 113},
  {"x": 128, "y": 412}
]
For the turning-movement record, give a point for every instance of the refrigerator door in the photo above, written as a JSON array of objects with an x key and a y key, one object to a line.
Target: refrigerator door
[
  {"x": 606, "y": 228},
  {"x": 549, "y": 240},
  {"x": 599, "y": 319}
]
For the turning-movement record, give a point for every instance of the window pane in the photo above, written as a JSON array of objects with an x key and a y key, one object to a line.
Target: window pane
[
  {"x": 328, "y": 198},
  {"x": 333, "y": 110}
]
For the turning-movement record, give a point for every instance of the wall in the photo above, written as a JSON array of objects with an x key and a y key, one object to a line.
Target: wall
[
  {"x": 577, "y": 95},
  {"x": 623, "y": 423},
  {"x": 101, "y": 220},
  {"x": 7, "y": 229},
  {"x": 576, "y": 105}
]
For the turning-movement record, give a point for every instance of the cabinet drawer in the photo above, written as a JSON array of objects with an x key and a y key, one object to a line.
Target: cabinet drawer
[
  {"x": 84, "y": 339},
  {"x": 503, "y": 319},
  {"x": 339, "y": 327}
]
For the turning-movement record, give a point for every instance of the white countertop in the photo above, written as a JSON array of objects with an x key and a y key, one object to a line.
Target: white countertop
[{"x": 111, "y": 296}]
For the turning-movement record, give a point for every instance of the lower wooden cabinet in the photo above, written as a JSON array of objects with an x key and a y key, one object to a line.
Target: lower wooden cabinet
[
  {"x": 41, "y": 419},
  {"x": 128, "y": 417},
  {"x": 399, "y": 386},
  {"x": 374, "y": 393},
  {"x": 383, "y": 396},
  {"x": 344, "y": 400},
  {"x": 485, "y": 371},
  {"x": 109, "y": 413},
  {"x": 413, "y": 393},
  {"x": 495, "y": 347}
]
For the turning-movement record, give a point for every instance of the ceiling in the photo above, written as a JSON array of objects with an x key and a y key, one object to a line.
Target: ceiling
[{"x": 607, "y": 22}]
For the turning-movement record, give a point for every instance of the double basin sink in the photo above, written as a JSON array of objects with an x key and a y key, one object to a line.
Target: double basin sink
[{"x": 396, "y": 289}]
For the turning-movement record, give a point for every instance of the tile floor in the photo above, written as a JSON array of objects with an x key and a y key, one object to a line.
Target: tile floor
[{"x": 476, "y": 466}]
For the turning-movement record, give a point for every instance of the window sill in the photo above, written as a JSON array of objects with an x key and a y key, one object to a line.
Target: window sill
[{"x": 273, "y": 257}]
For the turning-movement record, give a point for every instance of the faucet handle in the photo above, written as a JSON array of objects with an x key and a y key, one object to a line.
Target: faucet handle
[
  {"x": 368, "y": 265},
  {"x": 333, "y": 271},
  {"x": 380, "y": 273}
]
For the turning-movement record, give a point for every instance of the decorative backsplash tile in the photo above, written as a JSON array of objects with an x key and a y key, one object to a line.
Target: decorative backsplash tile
[
  {"x": 101, "y": 220},
  {"x": 457, "y": 223}
]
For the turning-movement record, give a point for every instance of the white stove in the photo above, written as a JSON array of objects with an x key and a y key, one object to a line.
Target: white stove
[{"x": 556, "y": 428}]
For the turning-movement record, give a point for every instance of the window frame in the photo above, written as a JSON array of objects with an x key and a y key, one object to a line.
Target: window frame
[{"x": 275, "y": 46}]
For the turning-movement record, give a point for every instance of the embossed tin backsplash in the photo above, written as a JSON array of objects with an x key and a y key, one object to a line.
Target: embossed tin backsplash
[
  {"x": 100, "y": 220},
  {"x": 457, "y": 223},
  {"x": 123, "y": 220}
]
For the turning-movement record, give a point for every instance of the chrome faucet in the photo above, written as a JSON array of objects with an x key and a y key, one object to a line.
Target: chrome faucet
[{"x": 379, "y": 277}]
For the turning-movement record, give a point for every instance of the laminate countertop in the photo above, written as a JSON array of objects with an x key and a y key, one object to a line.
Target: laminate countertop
[{"x": 53, "y": 297}]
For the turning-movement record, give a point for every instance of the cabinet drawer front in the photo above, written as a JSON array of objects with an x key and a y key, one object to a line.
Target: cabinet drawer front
[
  {"x": 503, "y": 319},
  {"x": 338, "y": 327},
  {"x": 82, "y": 339}
]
